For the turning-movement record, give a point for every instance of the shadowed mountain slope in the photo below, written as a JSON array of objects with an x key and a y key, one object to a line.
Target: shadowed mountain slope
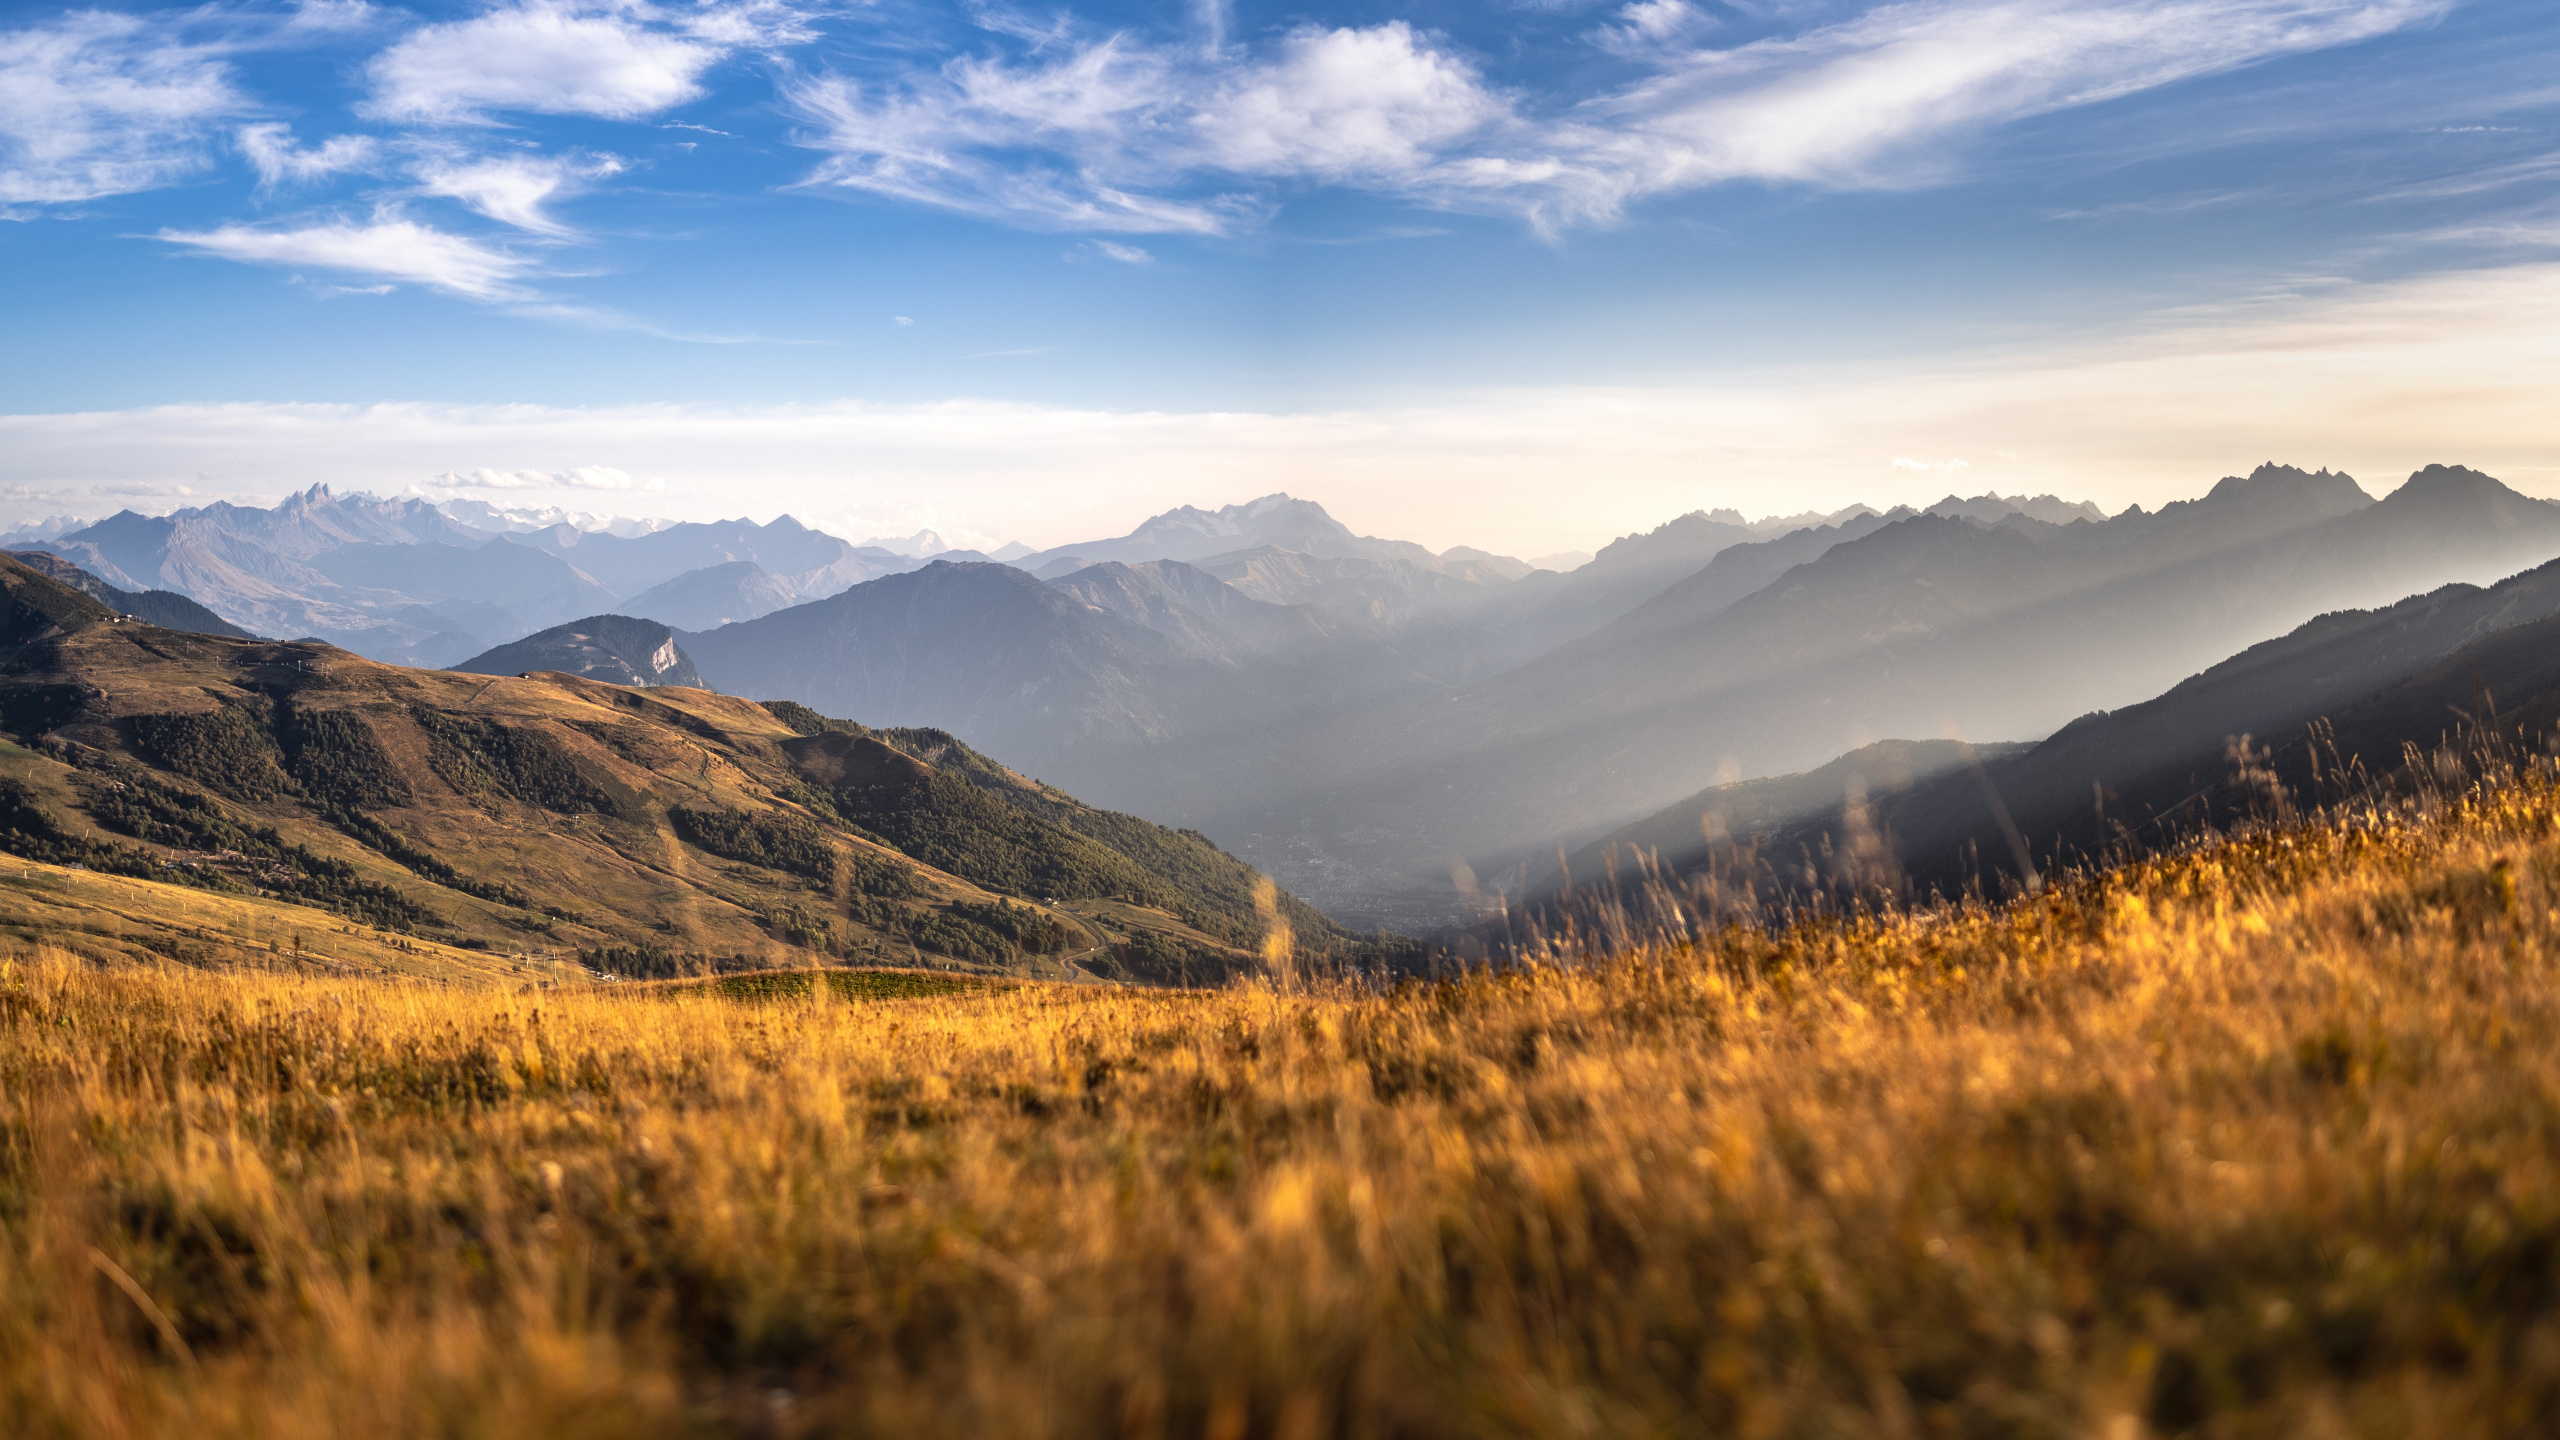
[
  {"x": 616, "y": 649},
  {"x": 1149, "y": 688},
  {"x": 2376, "y": 680},
  {"x": 1192, "y": 607},
  {"x": 981, "y": 649},
  {"x": 713, "y": 596},
  {"x": 165, "y": 608}
]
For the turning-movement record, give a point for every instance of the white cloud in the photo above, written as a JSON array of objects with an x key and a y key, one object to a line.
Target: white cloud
[
  {"x": 95, "y": 104},
  {"x": 544, "y": 57},
  {"x": 514, "y": 189},
  {"x": 1648, "y": 25},
  {"x": 583, "y": 477},
  {"x": 388, "y": 248},
  {"x": 270, "y": 148},
  {"x": 2377, "y": 380},
  {"x": 158, "y": 492},
  {"x": 1375, "y": 103},
  {"x": 1125, "y": 254}
]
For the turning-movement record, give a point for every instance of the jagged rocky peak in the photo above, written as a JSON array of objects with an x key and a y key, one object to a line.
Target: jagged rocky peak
[
  {"x": 1991, "y": 507},
  {"x": 2332, "y": 492}
]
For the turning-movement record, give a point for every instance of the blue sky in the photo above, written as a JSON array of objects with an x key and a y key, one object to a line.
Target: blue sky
[{"x": 1490, "y": 273}]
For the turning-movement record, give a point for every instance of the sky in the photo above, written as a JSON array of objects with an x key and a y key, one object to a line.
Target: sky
[{"x": 1522, "y": 274}]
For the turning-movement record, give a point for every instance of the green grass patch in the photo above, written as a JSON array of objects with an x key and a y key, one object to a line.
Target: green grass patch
[{"x": 843, "y": 984}]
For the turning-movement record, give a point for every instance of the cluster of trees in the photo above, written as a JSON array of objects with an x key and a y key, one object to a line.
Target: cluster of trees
[
  {"x": 774, "y": 840},
  {"x": 247, "y": 751},
  {"x": 1021, "y": 926},
  {"x": 402, "y": 850},
  {"x": 133, "y": 803},
  {"x": 334, "y": 756},
  {"x": 1156, "y": 959},
  {"x": 484, "y": 757},
  {"x": 229, "y": 751},
  {"x": 659, "y": 962}
]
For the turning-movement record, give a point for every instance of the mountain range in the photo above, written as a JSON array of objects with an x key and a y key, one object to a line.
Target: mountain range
[
  {"x": 1366, "y": 718},
  {"x": 410, "y": 582}
]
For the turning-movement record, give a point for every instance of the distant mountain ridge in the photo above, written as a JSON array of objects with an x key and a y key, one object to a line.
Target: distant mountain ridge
[
  {"x": 402, "y": 580},
  {"x": 810, "y": 564},
  {"x": 1273, "y": 522},
  {"x": 617, "y": 649}
]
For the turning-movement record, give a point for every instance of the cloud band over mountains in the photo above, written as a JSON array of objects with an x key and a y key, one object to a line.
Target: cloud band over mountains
[{"x": 2375, "y": 381}]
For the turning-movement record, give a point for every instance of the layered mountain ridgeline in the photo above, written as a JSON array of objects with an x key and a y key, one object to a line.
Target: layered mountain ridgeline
[
  {"x": 635, "y": 831},
  {"x": 404, "y": 580},
  {"x": 2356, "y": 708},
  {"x": 798, "y": 562},
  {"x": 1926, "y": 626},
  {"x": 616, "y": 649},
  {"x": 2349, "y": 701},
  {"x": 165, "y": 608}
]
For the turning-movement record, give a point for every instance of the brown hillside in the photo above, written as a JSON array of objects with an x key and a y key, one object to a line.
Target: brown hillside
[{"x": 544, "y": 816}]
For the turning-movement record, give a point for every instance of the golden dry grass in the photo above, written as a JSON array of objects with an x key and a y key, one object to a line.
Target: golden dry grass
[{"x": 2259, "y": 1140}]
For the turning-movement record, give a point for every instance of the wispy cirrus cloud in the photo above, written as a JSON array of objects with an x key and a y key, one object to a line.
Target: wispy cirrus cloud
[
  {"x": 389, "y": 247},
  {"x": 95, "y": 104},
  {"x": 1120, "y": 133},
  {"x": 1878, "y": 101},
  {"x": 582, "y": 477},
  {"x": 1113, "y": 250},
  {"x": 1106, "y": 121},
  {"x": 515, "y": 189}
]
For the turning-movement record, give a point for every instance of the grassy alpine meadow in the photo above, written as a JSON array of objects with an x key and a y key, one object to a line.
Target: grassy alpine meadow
[{"x": 2258, "y": 1139}]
